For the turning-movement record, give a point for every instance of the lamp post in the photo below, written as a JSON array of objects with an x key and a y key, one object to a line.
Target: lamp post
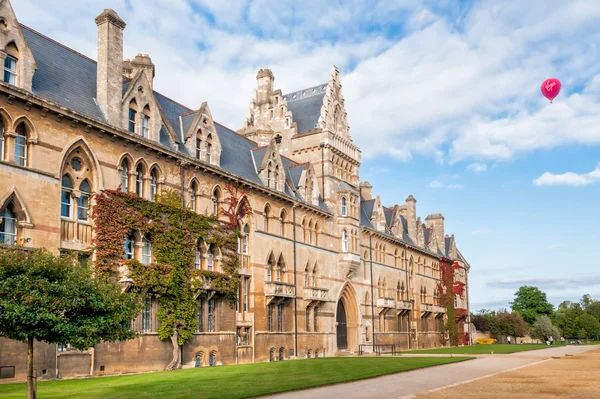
[{"x": 322, "y": 145}]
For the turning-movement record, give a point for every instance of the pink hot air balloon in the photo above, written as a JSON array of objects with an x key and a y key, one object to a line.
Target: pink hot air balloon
[{"x": 551, "y": 88}]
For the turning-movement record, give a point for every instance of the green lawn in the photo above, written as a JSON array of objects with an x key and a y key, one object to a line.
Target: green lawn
[
  {"x": 227, "y": 382},
  {"x": 481, "y": 349}
]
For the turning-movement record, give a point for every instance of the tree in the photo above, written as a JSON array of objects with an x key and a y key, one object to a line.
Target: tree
[
  {"x": 566, "y": 320},
  {"x": 587, "y": 326},
  {"x": 530, "y": 302},
  {"x": 509, "y": 324},
  {"x": 543, "y": 328},
  {"x": 56, "y": 300},
  {"x": 586, "y": 301},
  {"x": 594, "y": 309}
]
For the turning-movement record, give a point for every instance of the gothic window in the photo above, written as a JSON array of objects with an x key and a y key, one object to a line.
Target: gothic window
[
  {"x": 193, "y": 196},
  {"x": 270, "y": 266},
  {"x": 304, "y": 235},
  {"x": 276, "y": 178},
  {"x": 125, "y": 176},
  {"x": 145, "y": 131},
  {"x": 212, "y": 360},
  {"x": 282, "y": 217},
  {"x": 398, "y": 292},
  {"x": 266, "y": 219},
  {"x": 309, "y": 354},
  {"x": 10, "y": 70},
  {"x": 343, "y": 206},
  {"x": 269, "y": 175},
  {"x": 344, "y": 241},
  {"x": 280, "y": 308},
  {"x": 1, "y": 141},
  {"x": 246, "y": 294},
  {"x": 310, "y": 230},
  {"x": 244, "y": 238},
  {"x": 146, "y": 250},
  {"x": 315, "y": 318},
  {"x": 209, "y": 145},
  {"x": 210, "y": 260},
  {"x": 66, "y": 197},
  {"x": 198, "y": 148},
  {"x": 153, "y": 184},
  {"x": 132, "y": 115},
  {"x": 147, "y": 316},
  {"x": 139, "y": 181},
  {"x": 317, "y": 233},
  {"x": 316, "y": 353},
  {"x": 199, "y": 316},
  {"x": 21, "y": 145},
  {"x": 128, "y": 247},
  {"x": 198, "y": 362},
  {"x": 270, "y": 317},
  {"x": 272, "y": 355},
  {"x": 281, "y": 354},
  {"x": 313, "y": 277},
  {"x": 216, "y": 199},
  {"x": 211, "y": 315},
  {"x": 307, "y": 319},
  {"x": 280, "y": 270},
  {"x": 83, "y": 202},
  {"x": 198, "y": 257},
  {"x": 402, "y": 290},
  {"x": 8, "y": 225}
]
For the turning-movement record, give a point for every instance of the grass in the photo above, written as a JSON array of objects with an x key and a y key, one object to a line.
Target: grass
[
  {"x": 227, "y": 382},
  {"x": 481, "y": 349}
]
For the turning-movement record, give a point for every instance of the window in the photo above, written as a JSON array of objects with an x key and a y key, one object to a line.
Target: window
[
  {"x": 282, "y": 217},
  {"x": 125, "y": 176},
  {"x": 280, "y": 317},
  {"x": 132, "y": 115},
  {"x": 210, "y": 261},
  {"x": 193, "y": 195},
  {"x": 313, "y": 277},
  {"x": 307, "y": 319},
  {"x": 83, "y": 202},
  {"x": 197, "y": 260},
  {"x": 269, "y": 176},
  {"x": 317, "y": 233},
  {"x": 209, "y": 149},
  {"x": 343, "y": 206},
  {"x": 145, "y": 126},
  {"x": 139, "y": 181},
  {"x": 212, "y": 360},
  {"x": 276, "y": 178},
  {"x": 198, "y": 362},
  {"x": 246, "y": 294},
  {"x": 8, "y": 226},
  {"x": 306, "y": 276},
  {"x": 272, "y": 355},
  {"x": 198, "y": 149},
  {"x": 147, "y": 316},
  {"x": 199, "y": 316},
  {"x": 10, "y": 70},
  {"x": 270, "y": 317},
  {"x": 66, "y": 198},
  {"x": 153, "y": 185},
  {"x": 266, "y": 220},
  {"x": 344, "y": 241},
  {"x": 281, "y": 354},
  {"x": 308, "y": 354},
  {"x": 316, "y": 353},
  {"x": 216, "y": 197},
  {"x": 146, "y": 251},
  {"x": 128, "y": 248},
  {"x": 211, "y": 315},
  {"x": 315, "y": 317},
  {"x": 245, "y": 234},
  {"x": 1, "y": 141},
  {"x": 21, "y": 145}
]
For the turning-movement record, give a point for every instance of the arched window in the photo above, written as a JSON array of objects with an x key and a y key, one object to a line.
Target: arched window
[
  {"x": 198, "y": 256},
  {"x": 139, "y": 181},
  {"x": 317, "y": 233},
  {"x": 128, "y": 248},
  {"x": 280, "y": 270},
  {"x": 209, "y": 144},
  {"x": 313, "y": 277},
  {"x": 198, "y": 362},
  {"x": 8, "y": 225},
  {"x": 276, "y": 178},
  {"x": 146, "y": 122},
  {"x": 281, "y": 354},
  {"x": 304, "y": 235},
  {"x": 83, "y": 202},
  {"x": 210, "y": 260},
  {"x": 269, "y": 175},
  {"x": 125, "y": 176},
  {"x": 212, "y": 359},
  {"x": 402, "y": 290},
  {"x": 267, "y": 216},
  {"x": 153, "y": 184},
  {"x": 245, "y": 235},
  {"x": 270, "y": 266},
  {"x": 310, "y": 230},
  {"x": 2, "y": 141},
  {"x": 316, "y": 353},
  {"x": 147, "y": 315},
  {"x": 343, "y": 210},
  {"x": 66, "y": 197},
  {"x": 21, "y": 145},
  {"x": 398, "y": 292},
  {"x": 306, "y": 276},
  {"x": 10, "y": 64},
  {"x": 216, "y": 199},
  {"x": 198, "y": 147},
  {"x": 146, "y": 250},
  {"x": 272, "y": 355},
  {"x": 344, "y": 241},
  {"x": 282, "y": 217},
  {"x": 309, "y": 354},
  {"x": 132, "y": 115},
  {"x": 193, "y": 196}
]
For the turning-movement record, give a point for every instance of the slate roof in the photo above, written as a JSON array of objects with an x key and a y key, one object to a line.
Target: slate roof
[
  {"x": 68, "y": 78},
  {"x": 306, "y": 106}
]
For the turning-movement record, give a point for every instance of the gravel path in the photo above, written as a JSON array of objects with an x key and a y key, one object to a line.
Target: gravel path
[{"x": 409, "y": 383}]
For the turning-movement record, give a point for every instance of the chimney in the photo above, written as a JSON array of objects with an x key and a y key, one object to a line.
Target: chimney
[
  {"x": 437, "y": 222},
  {"x": 140, "y": 62},
  {"x": 411, "y": 217},
  {"x": 366, "y": 190},
  {"x": 109, "y": 76},
  {"x": 264, "y": 81}
]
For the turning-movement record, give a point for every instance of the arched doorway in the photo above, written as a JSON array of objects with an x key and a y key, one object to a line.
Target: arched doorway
[
  {"x": 342, "y": 328},
  {"x": 347, "y": 320}
]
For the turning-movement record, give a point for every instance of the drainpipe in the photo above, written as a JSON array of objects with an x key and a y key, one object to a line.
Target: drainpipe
[
  {"x": 372, "y": 294},
  {"x": 295, "y": 284}
]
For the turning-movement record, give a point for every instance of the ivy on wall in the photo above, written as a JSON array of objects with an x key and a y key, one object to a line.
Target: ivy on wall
[
  {"x": 448, "y": 287},
  {"x": 172, "y": 279}
]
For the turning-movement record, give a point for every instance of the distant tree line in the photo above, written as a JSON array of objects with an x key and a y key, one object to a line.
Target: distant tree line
[{"x": 531, "y": 314}]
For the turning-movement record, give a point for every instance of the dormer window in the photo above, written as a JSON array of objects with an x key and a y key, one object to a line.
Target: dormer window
[
  {"x": 198, "y": 148},
  {"x": 10, "y": 70},
  {"x": 209, "y": 149},
  {"x": 132, "y": 116},
  {"x": 276, "y": 177},
  {"x": 145, "y": 123}
]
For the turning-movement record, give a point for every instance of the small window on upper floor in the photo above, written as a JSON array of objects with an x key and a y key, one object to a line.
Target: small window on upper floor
[
  {"x": 198, "y": 148},
  {"x": 343, "y": 210},
  {"x": 145, "y": 131},
  {"x": 10, "y": 70},
  {"x": 209, "y": 149},
  {"x": 132, "y": 115}
]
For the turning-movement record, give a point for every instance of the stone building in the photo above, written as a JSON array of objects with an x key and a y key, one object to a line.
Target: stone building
[{"x": 325, "y": 266}]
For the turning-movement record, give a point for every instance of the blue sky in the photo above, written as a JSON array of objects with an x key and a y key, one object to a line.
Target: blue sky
[{"x": 442, "y": 97}]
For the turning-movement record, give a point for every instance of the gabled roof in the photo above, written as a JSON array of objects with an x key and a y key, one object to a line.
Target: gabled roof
[
  {"x": 366, "y": 211},
  {"x": 306, "y": 106}
]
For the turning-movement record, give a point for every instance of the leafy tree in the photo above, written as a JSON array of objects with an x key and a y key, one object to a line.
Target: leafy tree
[
  {"x": 483, "y": 320},
  {"x": 594, "y": 309},
  {"x": 509, "y": 324},
  {"x": 56, "y": 300},
  {"x": 543, "y": 328},
  {"x": 565, "y": 305},
  {"x": 586, "y": 301},
  {"x": 588, "y": 326},
  {"x": 530, "y": 302},
  {"x": 566, "y": 321}
]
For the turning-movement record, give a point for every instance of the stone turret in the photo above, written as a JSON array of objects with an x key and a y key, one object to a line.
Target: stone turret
[
  {"x": 436, "y": 221},
  {"x": 411, "y": 217},
  {"x": 366, "y": 190},
  {"x": 264, "y": 90},
  {"x": 109, "y": 78}
]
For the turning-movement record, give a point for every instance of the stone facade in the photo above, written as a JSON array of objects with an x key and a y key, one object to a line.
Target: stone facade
[{"x": 325, "y": 266}]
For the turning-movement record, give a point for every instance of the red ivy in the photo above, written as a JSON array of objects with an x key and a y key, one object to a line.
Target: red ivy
[{"x": 237, "y": 205}]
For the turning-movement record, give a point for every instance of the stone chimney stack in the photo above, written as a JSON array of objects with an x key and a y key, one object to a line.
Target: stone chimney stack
[
  {"x": 140, "y": 62},
  {"x": 366, "y": 190},
  {"x": 264, "y": 80},
  {"x": 109, "y": 77},
  {"x": 437, "y": 222},
  {"x": 411, "y": 217}
]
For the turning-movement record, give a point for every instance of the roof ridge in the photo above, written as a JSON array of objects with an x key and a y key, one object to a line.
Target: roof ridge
[
  {"x": 57, "y": 43},
  {"x": 304, "y": 90},
  {"x": 234, "y": 132},
  {"x": 173, "y": 101}
]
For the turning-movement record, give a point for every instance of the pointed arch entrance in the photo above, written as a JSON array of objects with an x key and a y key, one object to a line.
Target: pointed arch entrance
[{"x": 347, "y": 320}]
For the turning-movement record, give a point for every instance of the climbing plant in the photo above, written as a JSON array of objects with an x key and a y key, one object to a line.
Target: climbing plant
[
  {"x": 172, "y": 279},
  {"x": 448, "y": 287}
]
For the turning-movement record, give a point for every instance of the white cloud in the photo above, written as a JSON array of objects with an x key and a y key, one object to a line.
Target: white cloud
[
  {"x": 435, "y": 184},
  {"x": 568, "y": 179},
  {"x": 477, "y": 167}
]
